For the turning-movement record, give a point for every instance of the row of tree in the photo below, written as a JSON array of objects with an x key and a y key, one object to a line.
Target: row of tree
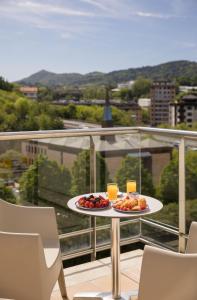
[
  {"x": 17, "y": 113},
  {"x": 94, "y": 114},
  {"x": 47, "y": 174}
]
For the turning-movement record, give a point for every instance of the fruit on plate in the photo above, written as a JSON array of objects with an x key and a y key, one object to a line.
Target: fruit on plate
[
  {"x": 131, "y": 203},
  {"x": 92, "y": 201}
]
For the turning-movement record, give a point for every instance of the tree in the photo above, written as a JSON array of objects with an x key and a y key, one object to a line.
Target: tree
[
  {"x": 126, "y": 94},
  {"x": 45, "y": 94},
  {"x": 12, "y": 163},
  {"x": 5, "y": 85},
  {"x": 81, "y": 173},
  {"x": 145, "y": 116},
  {"x": 47, "y": 175},
  {"x": 130, "y": 169},
  {"x": 18, "y": 113},
  {"x": 54, "y": 177},
  {"x": 141, "y": 87},
  {"x": 29, "y": 185},
  {"x": 7, "y": 194},
  {"x": 22, "y": 108},
  {"x": 168, "y": 187}
]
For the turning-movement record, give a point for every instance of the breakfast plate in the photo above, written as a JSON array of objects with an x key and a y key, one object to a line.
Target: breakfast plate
[
  {"x": 131, "y": 211},
  {"x": 94, "y": 208},
  {"x": 92, "y": 202}
]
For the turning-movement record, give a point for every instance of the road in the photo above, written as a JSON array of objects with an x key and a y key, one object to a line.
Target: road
[{"x": 71, "y": 124}]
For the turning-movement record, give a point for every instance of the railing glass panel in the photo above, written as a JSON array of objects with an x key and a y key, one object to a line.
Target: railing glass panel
[
  {"x": 191, "y": 182},
  {"x": 160, "y": 174}
]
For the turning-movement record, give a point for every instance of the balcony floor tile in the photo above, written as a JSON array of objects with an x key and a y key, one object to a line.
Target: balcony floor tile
[{"x": 96, "y": 276}]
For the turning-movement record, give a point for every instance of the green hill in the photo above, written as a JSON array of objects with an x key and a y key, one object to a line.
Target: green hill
[{"x": 170, "y": 70}]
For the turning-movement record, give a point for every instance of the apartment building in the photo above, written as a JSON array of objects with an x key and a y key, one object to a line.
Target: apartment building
[
  {"x": 184, "y": 111},
  {"x": 162, "y": 94}
]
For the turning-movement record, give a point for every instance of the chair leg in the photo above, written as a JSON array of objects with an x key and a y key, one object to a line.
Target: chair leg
[{"x": 62, "y": 284}]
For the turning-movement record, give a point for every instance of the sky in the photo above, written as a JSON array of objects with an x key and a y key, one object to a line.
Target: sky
[{"x": 82, "y": 36}]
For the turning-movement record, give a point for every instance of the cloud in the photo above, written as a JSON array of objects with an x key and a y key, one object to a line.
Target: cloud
[
  {"x": 153, "y": 15},
  {"x": 125, "y": 9},
  {"x": 68, "y": 18},
  {"x": 36, "y": 8},
  {"x": 97, "y": 4},
  {"x": 61, "y": 17},
  {"x": 39, "y": 8}
]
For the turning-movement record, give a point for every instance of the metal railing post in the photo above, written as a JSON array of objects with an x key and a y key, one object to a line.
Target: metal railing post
[
  {"x": 182, "y": 213},
  {"x": 93, "y": 190},
  {"x": 140, "y": 180}
]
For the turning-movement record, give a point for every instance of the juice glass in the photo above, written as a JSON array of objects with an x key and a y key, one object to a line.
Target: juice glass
[
  {"x": 112, "y": 190},
  {"x": 131, "y": 186}
]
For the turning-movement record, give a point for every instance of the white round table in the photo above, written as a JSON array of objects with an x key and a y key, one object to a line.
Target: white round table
[{"x": 154, "y": 206}]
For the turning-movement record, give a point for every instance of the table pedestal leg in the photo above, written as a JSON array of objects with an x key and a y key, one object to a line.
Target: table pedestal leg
[{"x": 115, "y": 257}]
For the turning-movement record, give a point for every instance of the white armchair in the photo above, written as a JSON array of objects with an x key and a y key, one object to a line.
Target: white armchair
[
  {"x": 30, "y": 257},
  {"x": 166, "y": 275}
]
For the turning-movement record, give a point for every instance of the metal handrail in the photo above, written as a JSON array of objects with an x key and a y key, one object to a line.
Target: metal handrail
[
  {"x": 21, "y": 135},
  {"x": 65, "y": 133}
]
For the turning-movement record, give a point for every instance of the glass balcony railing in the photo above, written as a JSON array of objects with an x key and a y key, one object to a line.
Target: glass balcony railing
[{"x": 47, "y": 168}]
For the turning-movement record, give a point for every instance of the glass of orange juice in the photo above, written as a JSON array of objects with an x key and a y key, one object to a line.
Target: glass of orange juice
[
  {"x": 131, "y": 186},
  {"x": 112, "y": 190}
]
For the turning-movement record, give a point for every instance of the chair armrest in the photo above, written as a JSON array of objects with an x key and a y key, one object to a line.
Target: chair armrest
[
  {"x": 166, "y": 275},
  {"x": 24, "y": 219}
]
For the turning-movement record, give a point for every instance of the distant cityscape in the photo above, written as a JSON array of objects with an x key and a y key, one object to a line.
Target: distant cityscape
[{"x": 166, "y": 103}]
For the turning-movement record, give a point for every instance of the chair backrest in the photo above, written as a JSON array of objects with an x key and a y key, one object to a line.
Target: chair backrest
[
  {"x": 166, "y": 275},
  {"x": 192, "y": 240},
  {"x": 25, "y": 219}
]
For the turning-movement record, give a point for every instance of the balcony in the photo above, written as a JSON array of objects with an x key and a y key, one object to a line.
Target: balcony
[{"x": 47, "y": 168}]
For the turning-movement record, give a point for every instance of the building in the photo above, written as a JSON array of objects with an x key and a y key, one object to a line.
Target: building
[
  {"x": 30, "y": 92},
  {"x": 185, "y": 88},
  {"x": 144, "y": 103},
  {"x": 184, "y": 111},
  {"x": 162, "y": 94}
]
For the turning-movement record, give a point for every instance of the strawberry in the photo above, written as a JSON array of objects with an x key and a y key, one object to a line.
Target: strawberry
[
  {"x": 87, "y": 204},
  {"x": 91, "y": 205}
]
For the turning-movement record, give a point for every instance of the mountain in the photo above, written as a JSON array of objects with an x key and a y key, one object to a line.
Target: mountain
[{"x": 169, "y": 70}]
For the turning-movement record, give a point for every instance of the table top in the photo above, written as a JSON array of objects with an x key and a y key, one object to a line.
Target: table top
[{"x": 153, "y": 204}]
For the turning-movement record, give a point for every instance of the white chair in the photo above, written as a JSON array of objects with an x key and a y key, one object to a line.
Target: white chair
[
  {"x": 166, "y": 275},
  {"x": 30, "y": 257},
  {"x": 192, "y": 240}
]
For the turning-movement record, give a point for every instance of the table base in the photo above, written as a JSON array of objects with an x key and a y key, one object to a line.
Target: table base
[{"x": 104, "y": 296}]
